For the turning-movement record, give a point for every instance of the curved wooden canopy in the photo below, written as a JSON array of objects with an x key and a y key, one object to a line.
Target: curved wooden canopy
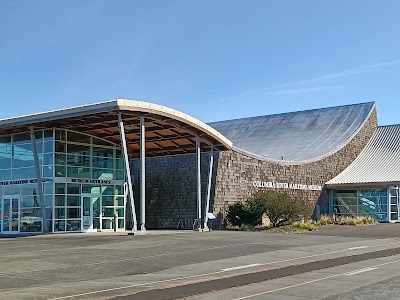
[{"x": 168, "y": 131}]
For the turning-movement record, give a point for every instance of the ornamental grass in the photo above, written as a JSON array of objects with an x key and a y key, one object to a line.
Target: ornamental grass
[{"x": 357, "y": 221}]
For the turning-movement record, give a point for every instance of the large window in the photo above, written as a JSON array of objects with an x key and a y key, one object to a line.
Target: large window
[
  {"x": 30, "y": 208},
  {"x": 368, "y": 202},
  {"x": 83, "y": 156},
  {"x": 16, "y": 155},
  {"x": 68, "y": 205}
]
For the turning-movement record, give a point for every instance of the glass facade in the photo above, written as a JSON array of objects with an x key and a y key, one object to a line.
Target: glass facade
[
  {"x": 75, "y": 202},
  {"x": 73, "y": 167},
  {"x": 16, "y": 155},
  {"x": 365, "y": 202},
  {"x": 83, "y": 156}
]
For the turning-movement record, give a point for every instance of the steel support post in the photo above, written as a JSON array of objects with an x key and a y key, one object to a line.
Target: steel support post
[
  {"x": 206, "y": 211},
  {"x": 127, "y": 170},
  {"x": 198, "y": 183},
  {"x": 142, "y": 175},
  {"x": 45, "y": 227}
]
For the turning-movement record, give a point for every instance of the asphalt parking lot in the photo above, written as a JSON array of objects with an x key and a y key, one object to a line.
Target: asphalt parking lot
[{"x": 93, "y": 266}]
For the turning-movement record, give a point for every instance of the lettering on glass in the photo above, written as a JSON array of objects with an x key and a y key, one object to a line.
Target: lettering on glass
[{"x": 96, "y": 181}]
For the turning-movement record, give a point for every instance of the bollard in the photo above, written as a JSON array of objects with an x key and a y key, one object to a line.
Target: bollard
[{"x": 115, "y": 222}]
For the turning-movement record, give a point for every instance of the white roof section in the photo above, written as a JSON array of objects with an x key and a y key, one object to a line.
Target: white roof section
[
  {"x": 168, "y": 131},
  {"x": 379, "y": 162},
  {"x": 297, "y": 137},
  {"x": 133, "y": 105}
]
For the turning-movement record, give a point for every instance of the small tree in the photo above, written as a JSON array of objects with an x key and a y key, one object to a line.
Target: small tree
[
  {"x": 247, "y": 213},
  {"x": 280, "y": 207}
]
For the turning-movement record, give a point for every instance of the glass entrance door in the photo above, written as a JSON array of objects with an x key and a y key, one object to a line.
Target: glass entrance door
[
  {"x": 394, "y": 206},
  {"x": 10, "y": 210},
  {"x": 91, "y": 212}
]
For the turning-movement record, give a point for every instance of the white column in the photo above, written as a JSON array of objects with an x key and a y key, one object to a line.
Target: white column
[
  {"x": 206, "y": 211},
  {"x": 45, "y": 227},
  {"x": 142, "y": 175},
  {"x": 127, "y": 170},
  {"x": 198, "y": 183}
]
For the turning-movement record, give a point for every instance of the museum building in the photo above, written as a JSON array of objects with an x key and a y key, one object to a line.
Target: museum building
[{"x": 130, "y": 165}]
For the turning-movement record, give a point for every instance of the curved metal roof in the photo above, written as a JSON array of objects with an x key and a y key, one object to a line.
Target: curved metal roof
[
  {"x": 168, "y": 131},
  {"x": 297, "y": 136},
  {"x": 378, "y": 162}
]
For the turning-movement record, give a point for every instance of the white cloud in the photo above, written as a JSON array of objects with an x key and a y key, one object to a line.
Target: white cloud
[
  {"x": 346, "y": 73},
  {"x": 305, "y": 90}
]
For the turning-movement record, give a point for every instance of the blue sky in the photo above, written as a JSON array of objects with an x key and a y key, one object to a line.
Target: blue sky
[{"x": 213, "y": 59}]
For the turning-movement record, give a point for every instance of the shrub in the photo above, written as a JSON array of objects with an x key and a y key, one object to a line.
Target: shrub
[
  {"x": 248, "y": 213},
  {"x": 280, "y": 207}
]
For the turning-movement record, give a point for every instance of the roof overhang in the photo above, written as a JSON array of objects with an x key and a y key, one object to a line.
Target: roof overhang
[
  {"x": 364, "y": 185},
  {"x": 168, "y": 131}
]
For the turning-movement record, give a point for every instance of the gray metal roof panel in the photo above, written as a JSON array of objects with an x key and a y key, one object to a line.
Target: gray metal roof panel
[
  {"x": 378, "y": 162},
  {"x": 297, "y": 136}
]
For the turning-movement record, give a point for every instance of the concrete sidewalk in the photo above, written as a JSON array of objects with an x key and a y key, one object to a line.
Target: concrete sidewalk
[{"x": 377, "y": 231}]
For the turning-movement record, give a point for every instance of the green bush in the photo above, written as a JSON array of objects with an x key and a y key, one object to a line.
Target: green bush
[
  {"x": 280, "y": 208},
  {"x": 247, "y": 213}
]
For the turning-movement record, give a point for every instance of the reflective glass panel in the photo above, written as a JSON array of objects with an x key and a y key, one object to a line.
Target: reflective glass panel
[
  {"x": 120, "y": 212},
  {"x": 60, "y": 188},
  {"x": 24, "y": 173},
  {"x": 73, "y": 213},
  {"x": 78, "y": 172},
  {"x": 101, "y": 162},
  {"x": 48, "y": 146},
  {"x": 78, "y": 160},
  {"x": 11, "y": 189},
  {"x": 48, "y": 159},
  {"x": 61, "y": 171},
  {"x": 108, "y": 200},
  {"x": 59, "y": 213},
  {"x": 73, "y": 200},
  {"x": 48, "y": 200},
  {"x": 5, "y": 163},
  {"x": 59, "y": 225},
  {"x": 77, "y": 137},
  {"x": 73, "y": 188},
  {"x": 60, "y": 135},
  {"x": 21, "y": 138},
  {"x": 374, "y": 203},
  {"x": 78, "y": 149},
  {"x": 48, "y": 171},
  {"x": 103, "y": 152},
  {"x": 30, "y": 201},
  {"x": 59, "y": 200},
  {"x": 61, "y": 159},
  {"x": 121, "y": 223},
  {"x": 14, "y": 214},
  {"x": 31, "y": 220},
  {"x": 105, "y": 174},
  {"x": 5, "y": 174},
  {"x": 73, "y": 225},
  {"x": 6, "y": 214},
  {"x": 108, "y": 189},
  {"x": 107, "y": 223},
  {"x": 60, "y": 147}
]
